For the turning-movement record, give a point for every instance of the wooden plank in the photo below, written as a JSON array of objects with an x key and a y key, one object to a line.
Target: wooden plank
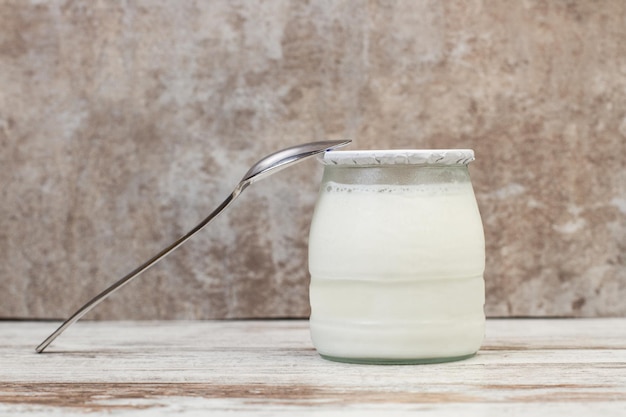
[{"x": 555, "y": 367}]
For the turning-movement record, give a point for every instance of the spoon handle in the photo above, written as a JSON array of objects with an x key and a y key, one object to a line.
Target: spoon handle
[{"x": 137, "y": 271}]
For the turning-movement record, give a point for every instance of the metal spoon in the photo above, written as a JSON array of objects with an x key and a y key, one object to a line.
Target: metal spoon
[{"x": 263, "y": 168}]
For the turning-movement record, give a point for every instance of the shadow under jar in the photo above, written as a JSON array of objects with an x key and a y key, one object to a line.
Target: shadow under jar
[{"x": 397, "y": 256}]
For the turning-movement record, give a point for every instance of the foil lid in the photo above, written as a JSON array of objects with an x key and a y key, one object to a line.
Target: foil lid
[{"x": 399, "y": 157}]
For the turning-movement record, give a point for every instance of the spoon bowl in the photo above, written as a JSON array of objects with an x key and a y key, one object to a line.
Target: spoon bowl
[
  {"x": 264, "y": 167},
  {"x": 280, "y": 160}
]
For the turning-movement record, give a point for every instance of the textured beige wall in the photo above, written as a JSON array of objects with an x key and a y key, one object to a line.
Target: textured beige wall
[{"x": 122, "y": 124}]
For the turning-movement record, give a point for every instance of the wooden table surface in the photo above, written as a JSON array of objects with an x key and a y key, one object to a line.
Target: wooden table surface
[{"x": 537, "y": 367}]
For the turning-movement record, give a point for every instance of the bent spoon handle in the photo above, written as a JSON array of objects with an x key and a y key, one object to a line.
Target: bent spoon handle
[{"x": 137, "y": 271}]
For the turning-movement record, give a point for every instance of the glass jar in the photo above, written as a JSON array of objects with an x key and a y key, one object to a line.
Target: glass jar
[{"x": 396, "y": 256}]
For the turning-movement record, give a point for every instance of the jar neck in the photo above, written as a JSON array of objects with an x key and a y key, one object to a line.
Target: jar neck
[{"x": 405, "y": 174}]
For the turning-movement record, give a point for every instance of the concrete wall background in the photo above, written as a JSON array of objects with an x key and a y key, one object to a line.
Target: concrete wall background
[{"x": 122, "y": 124}]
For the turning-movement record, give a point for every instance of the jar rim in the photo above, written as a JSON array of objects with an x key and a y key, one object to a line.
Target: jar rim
[{"x": 398, "y": 157}]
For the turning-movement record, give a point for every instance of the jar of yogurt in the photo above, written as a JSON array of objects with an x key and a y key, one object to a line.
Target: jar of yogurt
[{"x": 396, "y": 256}]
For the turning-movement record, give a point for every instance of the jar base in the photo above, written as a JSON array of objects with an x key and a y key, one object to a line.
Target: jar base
[{"x": 392, "y": 361}]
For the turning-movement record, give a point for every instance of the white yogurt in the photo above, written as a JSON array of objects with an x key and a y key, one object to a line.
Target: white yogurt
[{"x": 396, "y": 271}]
